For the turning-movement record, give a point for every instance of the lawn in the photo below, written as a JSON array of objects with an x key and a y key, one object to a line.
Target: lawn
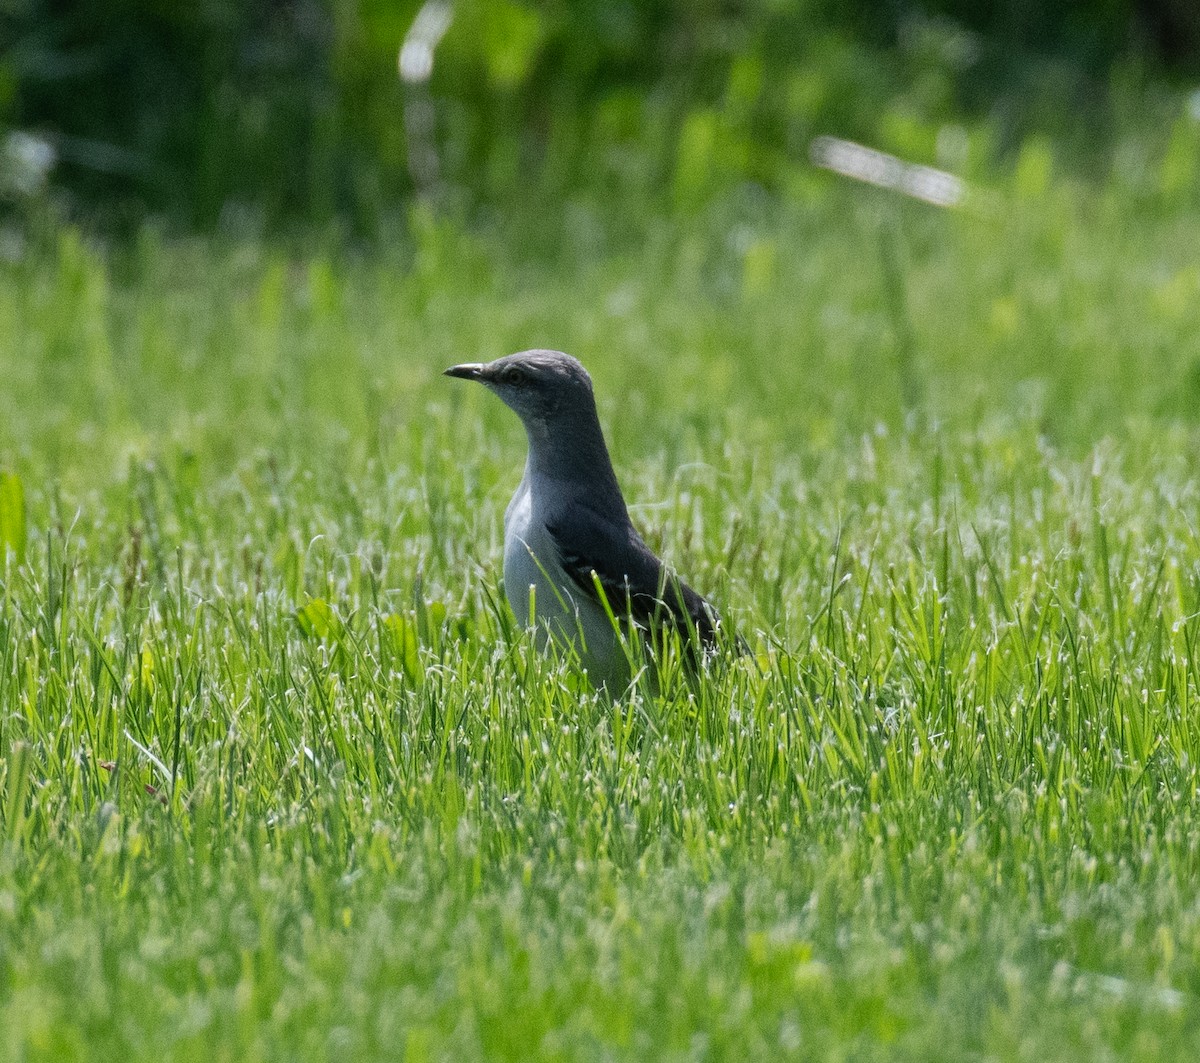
[{"x": 279, "y": 779}]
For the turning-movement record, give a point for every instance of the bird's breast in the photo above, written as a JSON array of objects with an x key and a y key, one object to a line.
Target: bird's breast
[
  {"x": 531, "y": 562},
  {"x": 525, "y": 554}
]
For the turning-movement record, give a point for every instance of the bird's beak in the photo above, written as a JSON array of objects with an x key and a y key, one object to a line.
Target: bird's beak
[{"x": 467, "y": 371}]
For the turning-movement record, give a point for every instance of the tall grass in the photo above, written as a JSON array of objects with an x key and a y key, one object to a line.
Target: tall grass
[{"x": 279, "y": 779}]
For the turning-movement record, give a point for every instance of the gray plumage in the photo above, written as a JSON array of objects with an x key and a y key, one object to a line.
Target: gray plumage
[{"x": 567, "y": 526}]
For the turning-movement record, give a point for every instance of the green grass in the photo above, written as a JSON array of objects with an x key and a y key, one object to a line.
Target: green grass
[{"x": 279, "y": 781}]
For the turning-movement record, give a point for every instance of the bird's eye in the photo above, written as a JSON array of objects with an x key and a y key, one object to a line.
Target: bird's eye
[{"x": 514, "y": 374}]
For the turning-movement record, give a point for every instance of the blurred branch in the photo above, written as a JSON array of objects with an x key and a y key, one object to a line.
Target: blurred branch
[{"x": 415, "y": 64}]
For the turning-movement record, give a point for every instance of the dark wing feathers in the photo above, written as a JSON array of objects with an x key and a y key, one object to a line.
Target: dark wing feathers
[{"x": 644, "y": 588}]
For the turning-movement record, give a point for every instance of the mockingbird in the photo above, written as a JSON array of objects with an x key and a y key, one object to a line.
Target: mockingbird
[{"x": 569, "y": 546}]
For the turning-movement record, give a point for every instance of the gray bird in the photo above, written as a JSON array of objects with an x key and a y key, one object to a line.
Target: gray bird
[{"x": 567, "y": 527}]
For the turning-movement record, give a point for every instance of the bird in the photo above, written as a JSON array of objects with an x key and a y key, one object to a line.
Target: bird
[{"x": 570, "y": 547}]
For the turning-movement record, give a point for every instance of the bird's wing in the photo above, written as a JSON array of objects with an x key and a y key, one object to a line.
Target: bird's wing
[{"x": 635, "y": 582}]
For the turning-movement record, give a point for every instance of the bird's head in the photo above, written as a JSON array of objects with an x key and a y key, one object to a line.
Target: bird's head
[{"x": 539, "y": 386}]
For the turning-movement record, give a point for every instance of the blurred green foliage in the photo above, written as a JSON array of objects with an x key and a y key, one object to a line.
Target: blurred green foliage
[{"x": 270, "y": 112}]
